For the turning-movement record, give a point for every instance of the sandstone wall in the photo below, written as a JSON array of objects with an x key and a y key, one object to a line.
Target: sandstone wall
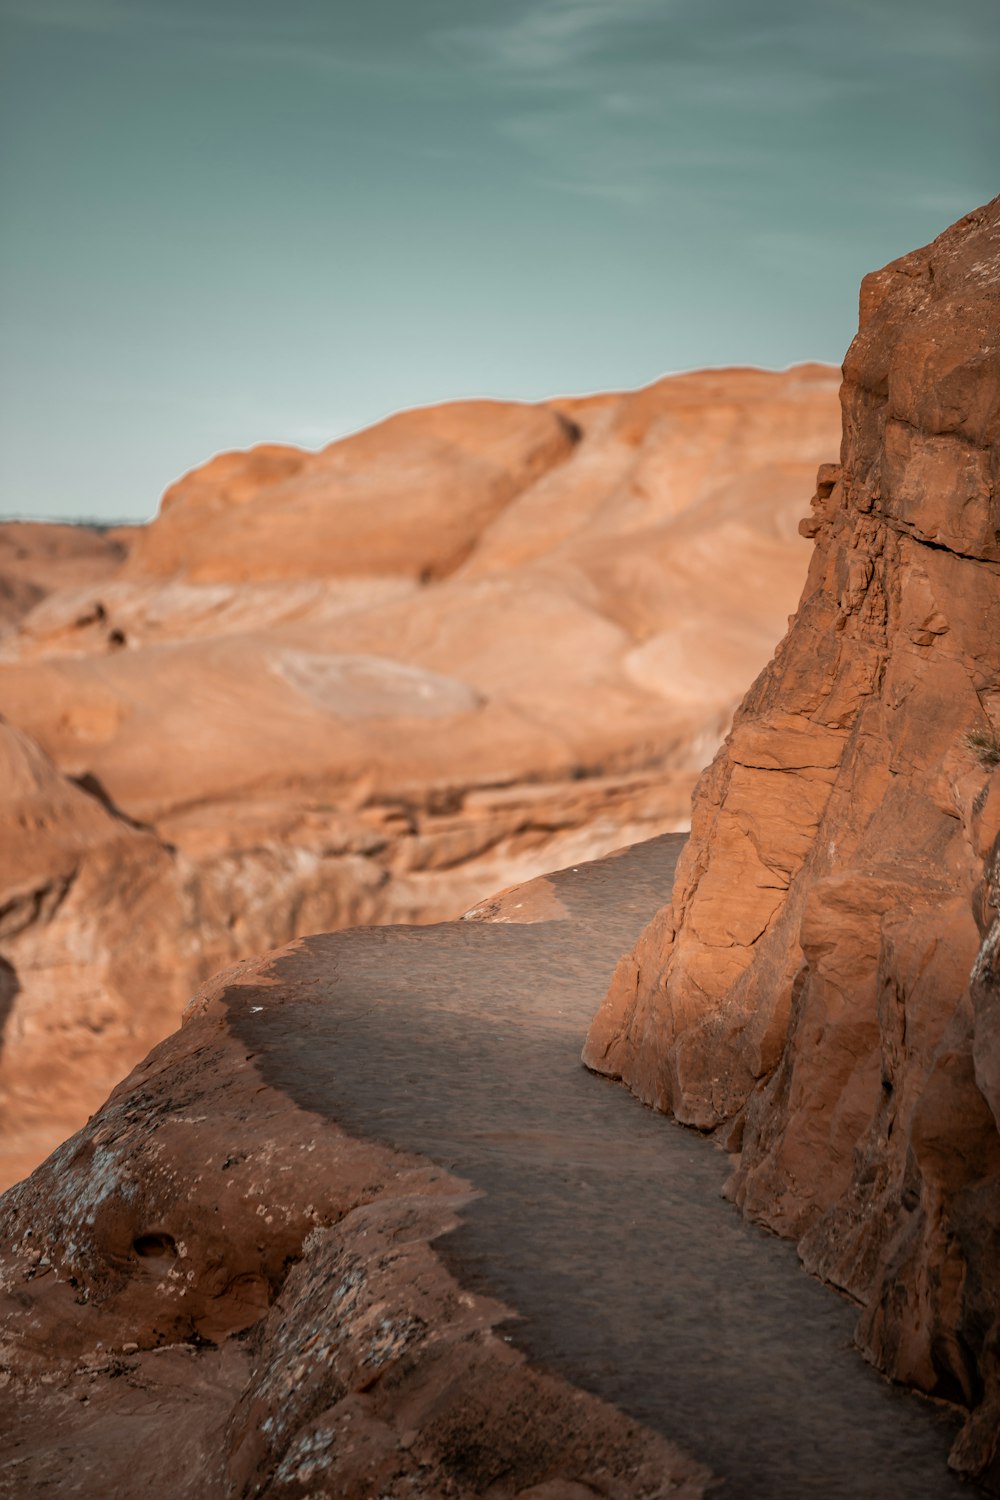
[{"x": 807, "y": 992}]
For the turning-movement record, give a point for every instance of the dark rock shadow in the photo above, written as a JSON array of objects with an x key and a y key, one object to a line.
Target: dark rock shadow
[
  {"x": 94, "y": 787},
  {"x": 10, "y": 988}
]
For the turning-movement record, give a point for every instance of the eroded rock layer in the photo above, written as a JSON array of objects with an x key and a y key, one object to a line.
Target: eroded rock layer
[
  {"x": 39, "y": 558},
  {"x": 808, "y": 989},
  {"x": 95, "y": 947},
  {"x": 373, "y": 683}
]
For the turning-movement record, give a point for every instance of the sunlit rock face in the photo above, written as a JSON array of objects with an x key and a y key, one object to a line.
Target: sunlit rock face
[
  {"x": 375, "y": 683},
  {"x": 808, "y": 989},
  {"x": 95, "y": 945}
]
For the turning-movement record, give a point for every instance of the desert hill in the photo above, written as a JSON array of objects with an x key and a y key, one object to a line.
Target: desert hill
[
  {"x": 37, "y": 560},
  {"x": 374, "y": 683}
]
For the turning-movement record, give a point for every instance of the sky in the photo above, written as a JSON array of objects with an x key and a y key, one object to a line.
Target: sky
[{"x": 232, "y": 221}]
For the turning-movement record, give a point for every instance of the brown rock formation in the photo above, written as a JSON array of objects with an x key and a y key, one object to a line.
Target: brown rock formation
[
  {"x": 216, "y": 1288},
  {"x": 94, "y": 944},
  {"x": 37, "y": 559},
  {"x": 372, "y": 683},
  {"x": 409, "y": 497},
  {"x": 212, "y": 1291},
  {"x": 808, "y": 989}
]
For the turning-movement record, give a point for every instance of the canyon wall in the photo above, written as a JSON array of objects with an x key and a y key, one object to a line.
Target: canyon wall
[
  {"x": 807, "y": 992},
  {"x": 372, "y": 684}
]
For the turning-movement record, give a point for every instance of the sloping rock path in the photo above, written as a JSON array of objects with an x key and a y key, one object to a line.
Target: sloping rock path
[{"x": 598, "y": 1221}]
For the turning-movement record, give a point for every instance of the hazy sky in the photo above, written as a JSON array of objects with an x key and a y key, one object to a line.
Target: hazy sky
[{"x": 233, "y": 220}]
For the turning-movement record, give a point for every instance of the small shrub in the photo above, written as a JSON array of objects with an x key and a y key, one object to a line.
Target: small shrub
[{"x": 985, "y": 745}]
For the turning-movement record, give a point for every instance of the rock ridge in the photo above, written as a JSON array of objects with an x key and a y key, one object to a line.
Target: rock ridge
[{"x": 213, "y": 1290}]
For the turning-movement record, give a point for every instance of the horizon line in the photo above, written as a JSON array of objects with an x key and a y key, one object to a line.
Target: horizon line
[{"x": 111, "y": 524}]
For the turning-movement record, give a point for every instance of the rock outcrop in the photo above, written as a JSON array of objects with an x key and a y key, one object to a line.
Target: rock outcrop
[
  {"x": 38, "y": 558},
  {"x": 373, "y": 683},
  {"x": 96, "y": 949},
  {"x": 213, "y": 1291},
  {"x": 807, "y": 993},
  {"x": 235, "y": 1280}
]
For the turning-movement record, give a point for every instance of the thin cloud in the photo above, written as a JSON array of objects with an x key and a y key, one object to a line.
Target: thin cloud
[
  {"x": 311, "y": 57},
  {"x": 549, "y": 35},
  {"x": 602, "y": 96},
  {"x": 638, "y": 157},
  {"x": 626, "y": 193}
]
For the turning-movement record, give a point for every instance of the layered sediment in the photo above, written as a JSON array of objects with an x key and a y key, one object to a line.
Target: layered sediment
[{"x": 807, "y": 992}]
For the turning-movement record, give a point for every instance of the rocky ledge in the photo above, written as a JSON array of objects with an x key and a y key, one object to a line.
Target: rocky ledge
[{"x": 213, "y": 1290}]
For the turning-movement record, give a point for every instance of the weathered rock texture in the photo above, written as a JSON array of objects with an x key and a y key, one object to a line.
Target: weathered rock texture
[
  {"x": 97, "y": 944},
  {"x": 373, "y": 683},
  {"x": 212, "y": 1291},
  {"x": 37, "y": 559},
  {"x": 808, "y": 988}
]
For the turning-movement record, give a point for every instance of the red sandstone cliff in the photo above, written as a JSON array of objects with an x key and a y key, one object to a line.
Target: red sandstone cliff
[{"x": 808, "y": 990}]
